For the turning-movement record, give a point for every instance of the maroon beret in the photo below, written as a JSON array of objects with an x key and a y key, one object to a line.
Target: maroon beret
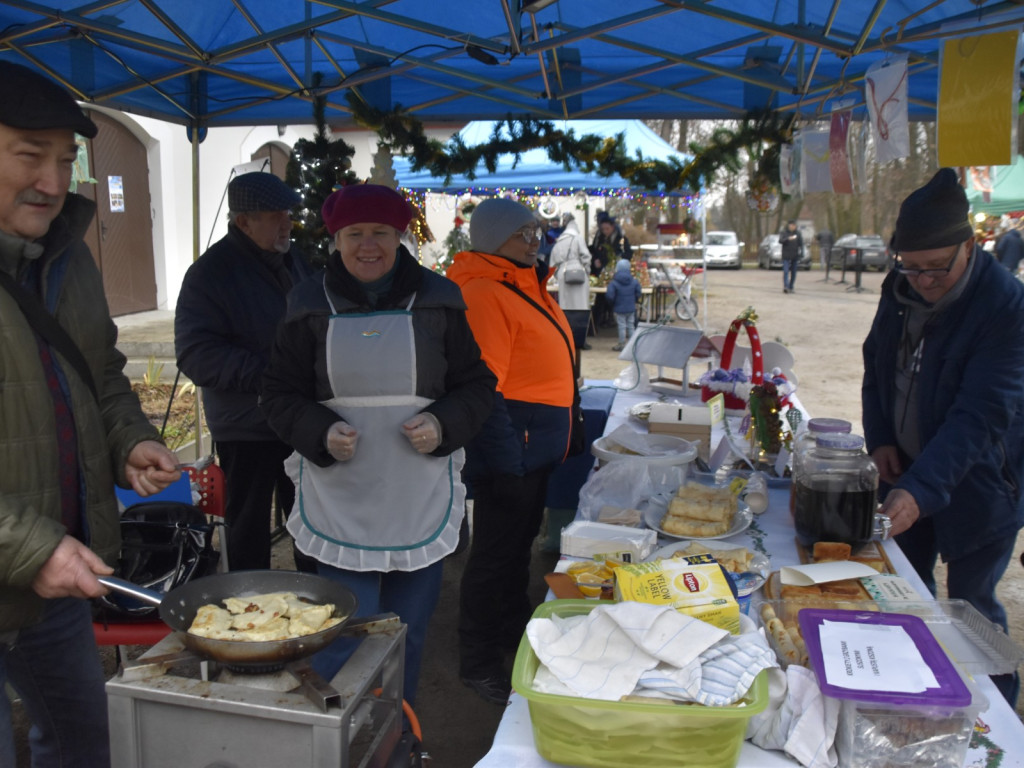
[{"x": 366, "y": 204}]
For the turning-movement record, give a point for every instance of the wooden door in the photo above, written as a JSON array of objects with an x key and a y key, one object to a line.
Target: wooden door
[{"x": 121, "y": 234}]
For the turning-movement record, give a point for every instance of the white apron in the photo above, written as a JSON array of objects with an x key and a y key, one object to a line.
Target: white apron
[{"x": 389, "y": 508}]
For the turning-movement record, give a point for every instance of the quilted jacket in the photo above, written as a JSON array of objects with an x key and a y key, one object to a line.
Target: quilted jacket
[{"x": 107, "y": 431}]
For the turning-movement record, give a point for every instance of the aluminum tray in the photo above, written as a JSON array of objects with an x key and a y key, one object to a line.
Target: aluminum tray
[{"x": 978, "y": 645}]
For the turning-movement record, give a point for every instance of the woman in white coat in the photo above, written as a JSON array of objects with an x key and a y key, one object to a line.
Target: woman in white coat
[{"x": 571, "y": 259}]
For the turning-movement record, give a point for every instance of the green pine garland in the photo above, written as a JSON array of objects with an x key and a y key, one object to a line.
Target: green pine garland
[{"x": 590, "y": 153}]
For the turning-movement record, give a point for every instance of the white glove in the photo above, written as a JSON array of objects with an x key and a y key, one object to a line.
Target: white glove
[
  {"x": 423, "y": 431},
  {"x": 340, "y": 441}
]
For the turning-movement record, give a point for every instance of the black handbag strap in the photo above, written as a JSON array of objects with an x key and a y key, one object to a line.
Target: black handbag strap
[
  {"x": 568, "y": 345},
  {"x": 46, "y": 325}
]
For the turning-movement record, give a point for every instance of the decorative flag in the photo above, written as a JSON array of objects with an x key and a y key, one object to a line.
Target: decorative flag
[
  {"x": 789, "y": 169},
  {"x": 977, "y": 99},
  {"x": 885, "y": 92},
  {"x": 814, "y": 159},
  {"x": 981, "y": 180},
  {"x": 838, "y": 153}
]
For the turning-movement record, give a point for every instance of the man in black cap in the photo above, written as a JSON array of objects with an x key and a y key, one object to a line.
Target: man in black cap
[
  {"x": 943, "y": 400},
  {"x": 230, "y": 304},
  {"x": 70, "y": 427}
]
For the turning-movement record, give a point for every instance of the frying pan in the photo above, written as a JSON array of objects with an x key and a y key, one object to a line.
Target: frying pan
[{"x": 179, "y": 606}]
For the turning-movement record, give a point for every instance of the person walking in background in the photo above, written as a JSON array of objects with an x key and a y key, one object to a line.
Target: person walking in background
[
  {"x": 376, "y": 381},
  {"x": 526, "y": 341},
  {"x": 71, "y": 428},
  {"x": 1010, "y": 248},
  {"x": 570, "y": 260},
  {"x": 230, "y": 304},
  {"x": 792, "y": 247},
  {"x": 942, "y": 400},
  {"x": 608, "y": 246},
  {"x": 825, "y": 241},
  {"x": 623, "y": 294}
]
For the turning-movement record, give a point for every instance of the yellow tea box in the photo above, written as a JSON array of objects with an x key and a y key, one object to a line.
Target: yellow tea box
[{"x": 692, "y": 585}]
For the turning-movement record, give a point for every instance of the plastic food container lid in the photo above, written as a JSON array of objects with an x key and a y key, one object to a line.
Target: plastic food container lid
[
  {"x": 952, "y": 693},
  {"x": 840, "y": 441},
  {"x": 824, "y": 424}
]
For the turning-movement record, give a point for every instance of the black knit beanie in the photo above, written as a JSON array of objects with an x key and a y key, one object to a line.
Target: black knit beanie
[{"x": 934, "y": 216}]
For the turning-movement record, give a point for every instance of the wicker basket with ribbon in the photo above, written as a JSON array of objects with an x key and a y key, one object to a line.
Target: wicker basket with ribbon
[{"x": 734, "y": 383}]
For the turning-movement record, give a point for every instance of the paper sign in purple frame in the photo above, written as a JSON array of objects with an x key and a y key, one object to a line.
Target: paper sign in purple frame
[{"x": 951, "y": 693}]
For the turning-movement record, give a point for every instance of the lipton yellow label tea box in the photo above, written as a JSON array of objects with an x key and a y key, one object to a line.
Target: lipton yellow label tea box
[{"x": 694, "y": 585}]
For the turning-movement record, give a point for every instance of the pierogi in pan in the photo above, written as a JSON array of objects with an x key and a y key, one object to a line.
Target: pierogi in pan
[{"x": 261, "y": 618}]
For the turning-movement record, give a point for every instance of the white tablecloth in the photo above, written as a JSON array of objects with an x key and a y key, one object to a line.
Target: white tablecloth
[{"x": 1000, "y": 744}]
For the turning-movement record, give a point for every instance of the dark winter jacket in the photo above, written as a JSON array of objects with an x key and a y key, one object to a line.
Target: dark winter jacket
[
  {"x": 449, "y": 369},
  {"x": 1010, "y": 249},
  {"x": 605, "y": 250},
  {"x": 107, "y": 430},
  {"x": 230, "y": 305},
  {"x": 967, "y": 477},
  {"x": 792, "y": 244},
  {"x": 623, "y": 291}
]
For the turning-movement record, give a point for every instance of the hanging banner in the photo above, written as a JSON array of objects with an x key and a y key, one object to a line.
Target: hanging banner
[
  {"x": 885, "y": 93},
  {"x": 838, "y": 153},
  {"x": 815, "y": 175},
  {"x": 789, "y": 169},
  {"x": 977, "y": 97}
]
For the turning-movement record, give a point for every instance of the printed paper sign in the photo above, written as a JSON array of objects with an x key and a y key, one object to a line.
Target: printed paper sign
[
  {"x": 873, "y": 657},
  {"x": 116, "y": 189}
]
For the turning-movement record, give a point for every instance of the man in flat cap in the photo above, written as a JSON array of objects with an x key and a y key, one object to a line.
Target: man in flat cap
[
  {"x": 230, "y": 304},
  {"x": 943, "y": 400},
  {"x": 70, "y": 427}
]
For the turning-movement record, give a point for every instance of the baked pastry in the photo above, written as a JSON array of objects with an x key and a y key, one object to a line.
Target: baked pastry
[
  {"x": 700, "y": 510},
  {"x": 830, "y": 551}
]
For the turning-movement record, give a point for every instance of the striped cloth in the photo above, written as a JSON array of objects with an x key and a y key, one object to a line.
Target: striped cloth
[{"x": 637, "y": 648}]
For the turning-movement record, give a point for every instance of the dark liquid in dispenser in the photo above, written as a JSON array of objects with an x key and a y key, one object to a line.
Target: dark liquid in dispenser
[{"x": 823, "y": 514}]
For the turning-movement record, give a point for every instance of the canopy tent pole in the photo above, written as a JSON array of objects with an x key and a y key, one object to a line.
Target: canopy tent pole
[
  {"x": 704, "y": 254},
  {"x": 200, "y": 451}
]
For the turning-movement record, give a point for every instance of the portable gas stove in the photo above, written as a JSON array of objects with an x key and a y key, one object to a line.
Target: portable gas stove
[{"x": 171, "y": 708}]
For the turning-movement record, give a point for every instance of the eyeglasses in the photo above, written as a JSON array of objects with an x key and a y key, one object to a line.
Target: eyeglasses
[
  {"x": 530, "y": 234},
  {"x": 934, "y": 273}
]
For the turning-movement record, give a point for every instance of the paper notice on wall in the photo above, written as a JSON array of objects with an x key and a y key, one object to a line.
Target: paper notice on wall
[
  {"x": 873, "y": 657},
  {"x": 115, "y": 187},
  {"x": 978, "y": 88}
]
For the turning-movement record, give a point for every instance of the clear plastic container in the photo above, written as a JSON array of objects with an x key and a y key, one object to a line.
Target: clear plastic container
[{"x": 835, "y": 492}]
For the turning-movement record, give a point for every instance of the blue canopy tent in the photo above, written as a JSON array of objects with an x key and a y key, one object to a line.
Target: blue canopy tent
[
  {"x": 534, "y": 172},
  {"x": 1007, "y": 194},
  {"x": 256, "y": 62}
]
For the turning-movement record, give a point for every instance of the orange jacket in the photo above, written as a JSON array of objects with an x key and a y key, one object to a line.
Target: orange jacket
[{"x": 530, "y": 423}]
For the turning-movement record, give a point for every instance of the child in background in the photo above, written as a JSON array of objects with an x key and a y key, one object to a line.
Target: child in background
[{"x": 622, "y": 295}]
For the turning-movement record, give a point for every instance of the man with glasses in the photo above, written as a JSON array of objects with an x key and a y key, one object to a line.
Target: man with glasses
[
  {"x": 526, "y": 341},
  {"x": 943, "y": 400}
]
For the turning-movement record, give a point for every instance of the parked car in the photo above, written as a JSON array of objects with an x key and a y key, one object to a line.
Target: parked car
[
  {"x": 871, "y": 248},
  {"x": 724, "y": 249},
  {"x": 769, "y": 254}
]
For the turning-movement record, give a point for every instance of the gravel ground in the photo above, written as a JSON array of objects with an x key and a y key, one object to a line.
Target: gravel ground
[{"x": 823, "y": 323}]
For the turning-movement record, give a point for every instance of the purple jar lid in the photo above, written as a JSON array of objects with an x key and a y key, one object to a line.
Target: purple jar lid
[
  {"x": 824, "y": 424},
  {"x": 952, "y": 692},
  {"x": 839, "y": 441}
]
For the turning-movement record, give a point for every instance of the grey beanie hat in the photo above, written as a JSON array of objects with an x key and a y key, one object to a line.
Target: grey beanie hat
[{"x": 495, "y": 220}]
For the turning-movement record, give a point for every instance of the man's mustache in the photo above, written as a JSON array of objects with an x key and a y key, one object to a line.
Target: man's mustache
[{"x": 32, "y": 197}]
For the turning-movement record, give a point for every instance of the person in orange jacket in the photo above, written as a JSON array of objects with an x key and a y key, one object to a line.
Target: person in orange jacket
[{"x": 526, "y": 341}]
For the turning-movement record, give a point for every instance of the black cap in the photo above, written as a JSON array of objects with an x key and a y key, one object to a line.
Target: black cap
[
  {"x": 260, "y": 191},
  {"x": 934, "y": 216},
  {"x": 31, "y": 101}
]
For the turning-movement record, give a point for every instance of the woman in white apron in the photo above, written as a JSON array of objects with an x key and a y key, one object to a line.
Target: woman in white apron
[{"x": 377, "y": 383}]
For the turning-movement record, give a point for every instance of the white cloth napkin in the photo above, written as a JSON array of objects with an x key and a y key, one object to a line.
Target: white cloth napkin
[
  {"x": 632, "y": 647},
  {"x": 798, "y": 720}
]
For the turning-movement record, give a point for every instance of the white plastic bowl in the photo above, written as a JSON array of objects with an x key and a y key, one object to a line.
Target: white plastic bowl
[{"x": 667, "y": 451}]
